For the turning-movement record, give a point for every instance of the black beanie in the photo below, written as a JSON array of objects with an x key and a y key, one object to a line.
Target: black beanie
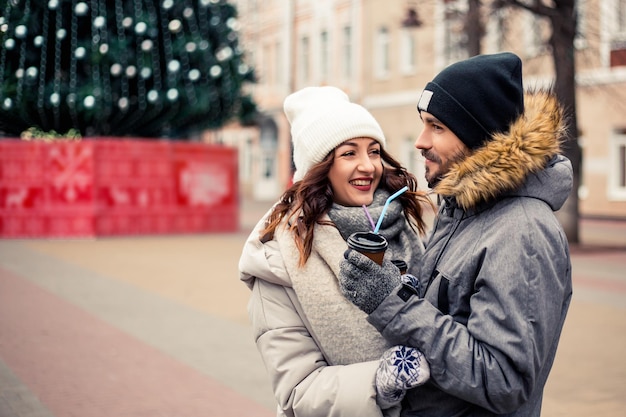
[{"x": 477, "y": 97}]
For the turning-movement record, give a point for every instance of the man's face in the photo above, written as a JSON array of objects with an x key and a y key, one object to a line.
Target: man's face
[{"x": 440, "y": 147}]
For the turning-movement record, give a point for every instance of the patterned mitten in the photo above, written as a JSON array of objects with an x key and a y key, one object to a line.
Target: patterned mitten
[
  {"x": 401, "y": 368},
  {"x": 412, "y": 281}
]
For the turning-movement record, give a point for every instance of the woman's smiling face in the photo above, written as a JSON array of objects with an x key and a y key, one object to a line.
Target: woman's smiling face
[{"x": 356, "y": 172}]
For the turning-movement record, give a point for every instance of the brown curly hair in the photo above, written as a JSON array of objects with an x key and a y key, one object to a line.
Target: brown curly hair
[{"x": 306, "y": 201}]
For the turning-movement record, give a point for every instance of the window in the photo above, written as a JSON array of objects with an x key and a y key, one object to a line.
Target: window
[
  {"x": 304, "y": 59},
  {"x": 278, "y": 70},
  {"x": 245, "y": 160},
  {"x": 495, "y": 31},
  {"x": 410, "y": 156},
  {"x": 621, "y": 16},
  {"x": 580, "y": 41},
  {"x": 455, "y": 38},
  {"x": 407, "y": 52},
  {"x": 324, "y": 56},
  {"x": 382, "y": 53},
  {"x": 617, "y": 172},
  {"x": 265, "y": 56},
  {"x": 618, "y": 34},
  {"x": 347, "y": 52},
  {"x": 536, "y": 37}
]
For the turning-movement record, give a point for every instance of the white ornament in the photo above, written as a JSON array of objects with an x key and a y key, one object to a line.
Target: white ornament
[
  {"x": 123, "y": 103},
  {"x": 32, "y": 72},
  {"x": 146, "y": 45},
  {"x": 99, "y": 22},
  {"x": 173, "y": 66},
  {"x": 89, "y": 102},
  {"x": 145, "y": 73},
  {"x": 175, "y": 26},
  {"x": 194, "y": 74},
  {"x": 55, "y": 99},
  {"x": 21, "y": 32},
  {"x": 153, "y": 96},
  {"x": 172, "y": 94},
  {"x": 81, "y": 9},
  {"x": 140, "y": 28},
  {"x": 116, "y": 69},
  {"x": 131, "y": 71},
  {"x": 215, "y": 71},
  {"x": 80, "y": 52}
]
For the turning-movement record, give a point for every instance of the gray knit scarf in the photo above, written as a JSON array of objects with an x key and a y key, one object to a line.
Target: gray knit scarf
[{"x": 393, "y": 227}]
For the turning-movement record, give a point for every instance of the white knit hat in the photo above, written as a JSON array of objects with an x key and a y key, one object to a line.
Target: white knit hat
[{"x": 321, "y": 119}]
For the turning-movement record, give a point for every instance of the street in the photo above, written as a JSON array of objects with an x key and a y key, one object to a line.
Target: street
[{"x": 157, "y": 326}]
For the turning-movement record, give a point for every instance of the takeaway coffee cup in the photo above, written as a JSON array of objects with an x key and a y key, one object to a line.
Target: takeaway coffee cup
[
  {"x": 402, "y": 266},
  {"x": 369, "y": 244}
]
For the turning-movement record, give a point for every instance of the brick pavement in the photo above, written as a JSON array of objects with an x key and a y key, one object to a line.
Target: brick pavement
[
  {"x": 79, "y": 365},
  {"x": 157, "y": 326}
]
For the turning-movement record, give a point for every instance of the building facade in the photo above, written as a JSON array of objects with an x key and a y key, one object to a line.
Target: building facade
[{"x": 382, "y": 53}]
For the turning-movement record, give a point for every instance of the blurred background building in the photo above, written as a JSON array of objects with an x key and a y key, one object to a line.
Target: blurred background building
[{"x": 382, "y": 53}]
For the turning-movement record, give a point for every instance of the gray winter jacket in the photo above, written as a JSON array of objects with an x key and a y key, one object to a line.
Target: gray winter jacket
[{"x": 497, "y": 275}]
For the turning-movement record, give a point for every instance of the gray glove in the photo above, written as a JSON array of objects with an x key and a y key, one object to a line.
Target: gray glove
[
  {"x": 401, "y": 368},
  {"x": 366, "y": 283}
]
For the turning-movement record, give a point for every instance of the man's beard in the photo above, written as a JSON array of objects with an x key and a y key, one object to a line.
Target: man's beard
[{"x": 444, "y": 167}]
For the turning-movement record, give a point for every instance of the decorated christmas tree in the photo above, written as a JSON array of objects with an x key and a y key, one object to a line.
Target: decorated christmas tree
[{"x": 166, "y": 68}]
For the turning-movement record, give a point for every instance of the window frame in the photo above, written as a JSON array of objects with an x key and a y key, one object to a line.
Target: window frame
[{"x": 617, "y": 166}]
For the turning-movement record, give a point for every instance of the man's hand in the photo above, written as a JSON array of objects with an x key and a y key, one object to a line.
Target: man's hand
[
  {"x": 366, "y": 283},
  {"x": 401, "y": 368}
]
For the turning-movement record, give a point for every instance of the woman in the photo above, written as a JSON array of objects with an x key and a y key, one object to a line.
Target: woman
[{"x": 322, "y": 356}]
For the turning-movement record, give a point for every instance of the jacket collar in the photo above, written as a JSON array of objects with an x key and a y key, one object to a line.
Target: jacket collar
[{"x": 507, "y": 159}]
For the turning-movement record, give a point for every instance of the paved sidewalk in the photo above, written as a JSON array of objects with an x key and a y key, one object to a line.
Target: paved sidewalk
[
  {"x": 126, "y": 327},
  {"x": 157, "y": 326}
]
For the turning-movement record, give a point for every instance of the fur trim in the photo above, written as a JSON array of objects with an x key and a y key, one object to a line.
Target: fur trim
[{"x": 506, "y": 160}]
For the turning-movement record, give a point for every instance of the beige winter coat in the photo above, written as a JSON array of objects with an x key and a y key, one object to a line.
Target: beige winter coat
[{"x": 320, "y": 352}]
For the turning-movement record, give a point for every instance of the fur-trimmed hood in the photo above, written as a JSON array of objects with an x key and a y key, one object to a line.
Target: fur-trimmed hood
[{"x": 516, "y": 162}]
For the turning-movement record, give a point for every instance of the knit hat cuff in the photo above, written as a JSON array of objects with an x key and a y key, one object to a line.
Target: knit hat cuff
[{"x": 436, "y": 101}]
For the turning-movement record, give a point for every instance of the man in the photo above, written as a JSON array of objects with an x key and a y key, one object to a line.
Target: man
[{"x": 496, "y": 275}]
